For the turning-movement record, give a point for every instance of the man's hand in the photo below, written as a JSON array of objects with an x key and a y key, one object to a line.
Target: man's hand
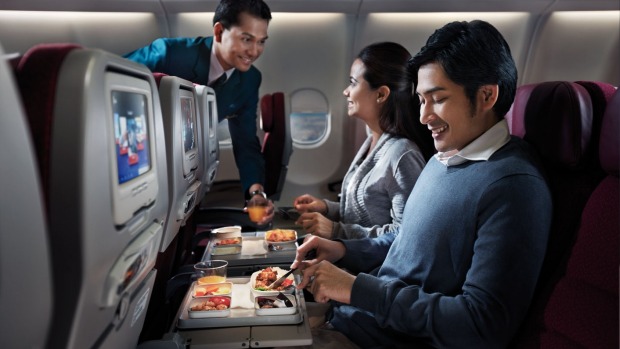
[{"x": 328, "y": 282}]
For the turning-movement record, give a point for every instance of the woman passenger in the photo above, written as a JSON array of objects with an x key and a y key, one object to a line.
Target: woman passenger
[{"x": 382, "y": 174}]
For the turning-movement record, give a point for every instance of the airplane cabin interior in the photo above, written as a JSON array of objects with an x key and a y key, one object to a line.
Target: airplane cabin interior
[{"x": 115, "y": 178}]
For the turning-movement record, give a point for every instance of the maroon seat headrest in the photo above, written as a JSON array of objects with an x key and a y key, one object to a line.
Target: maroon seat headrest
[
  {"x": 266, "y": 112},
  {"x": 558, "y": 122},
  {"x": 516, "y": 114},
  {"x": 37, "y": 76},
  {"x": 158, "y": 76},
  {"x": 609, "y": 146}
]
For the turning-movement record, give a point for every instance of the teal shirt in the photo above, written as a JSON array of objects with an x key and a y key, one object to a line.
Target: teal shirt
[{"x": 237, "y": 99}]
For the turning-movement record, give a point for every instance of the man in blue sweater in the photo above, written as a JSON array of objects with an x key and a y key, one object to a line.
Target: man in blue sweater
[
  {"x": 462, "y": 270},
  {"x": 224, "y": 61}
]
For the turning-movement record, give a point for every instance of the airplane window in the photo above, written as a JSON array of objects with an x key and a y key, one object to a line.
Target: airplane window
[
  {"x": 310, "y": 118},
  {"x": 308, "y": 128}
]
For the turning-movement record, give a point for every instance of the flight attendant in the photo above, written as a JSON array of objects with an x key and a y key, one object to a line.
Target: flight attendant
[{"x": 224, "y": 61}]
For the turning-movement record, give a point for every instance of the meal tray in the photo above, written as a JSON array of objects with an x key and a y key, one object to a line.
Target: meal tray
[{"x": 240, "y": 316}]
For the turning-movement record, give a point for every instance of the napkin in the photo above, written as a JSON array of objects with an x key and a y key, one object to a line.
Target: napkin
[
  {"x": 241, "y": 296},
  {"x": 253, "y": 247}
]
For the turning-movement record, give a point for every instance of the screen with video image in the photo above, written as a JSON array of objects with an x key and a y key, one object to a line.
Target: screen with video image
[
  {"x": 189, "y": 132},
  {"x": 131, "y": 134}
]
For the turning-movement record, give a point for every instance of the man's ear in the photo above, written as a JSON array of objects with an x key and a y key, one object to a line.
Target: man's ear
[
  {"x": 218, "y": 29},
  {"x": 487, "y": 96}
]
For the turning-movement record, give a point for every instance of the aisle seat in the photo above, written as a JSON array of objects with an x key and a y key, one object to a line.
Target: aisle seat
[
  {"x": 560, "y": 120},
  {"x": 26, "y": 287},
  {"x": 96, "y": 122}
]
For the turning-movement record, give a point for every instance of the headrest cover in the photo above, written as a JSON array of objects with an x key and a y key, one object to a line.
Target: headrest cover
[
  {"x": 266, "y": 112},
  {"x": 158, "y": 77},
  {"x": 37, "y": 75},
  {"x": 516, "y": 115},
  {"x": 609, "y": 148},
  {"x": 558, "y": 122}
]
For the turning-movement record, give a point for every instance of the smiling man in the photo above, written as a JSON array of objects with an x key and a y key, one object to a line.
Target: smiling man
[
  {"x": 462, "y": 270},
  {"x": 224, "y": 62}
]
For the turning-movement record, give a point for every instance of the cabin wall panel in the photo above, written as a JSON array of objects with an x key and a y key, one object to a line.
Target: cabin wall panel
[
  {"x": 576, "y": 46},
  {"x": 114, "y": 32}
]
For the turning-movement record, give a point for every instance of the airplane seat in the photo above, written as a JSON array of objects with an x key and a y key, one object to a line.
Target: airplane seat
[
  {"x": 583, "y": 308},
  {"x": 180, "y": 114},
  {"x": 96, "y": 124},
  {"x": 26, "y": 287},
  {"x": 277, "y": 143},
  {"x": 208, "y": 141},
  {"x": 557, "y": 118}
]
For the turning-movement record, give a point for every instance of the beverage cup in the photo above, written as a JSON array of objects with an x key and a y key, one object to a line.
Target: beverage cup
[
  {"x": 211, "y": 272},
  {"x": 257, "y": 208}
]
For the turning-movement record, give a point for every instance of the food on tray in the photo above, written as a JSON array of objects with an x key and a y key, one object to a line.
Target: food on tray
[
  {"x": 230, "y": 241},
  {"x": 212, "y": 290},
  {"x": 280, "y": 235},
  {"x": 270, "y": 302},
  {"x": 267, "y": 276},
  {"x": 212, "y": 303}
]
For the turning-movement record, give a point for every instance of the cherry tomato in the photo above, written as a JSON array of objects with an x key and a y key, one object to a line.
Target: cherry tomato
[
  {"x": 287, "y": 282},
  {"x": 221, "y": 300}
]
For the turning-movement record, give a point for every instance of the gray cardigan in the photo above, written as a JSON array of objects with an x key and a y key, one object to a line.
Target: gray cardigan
[{"x": 375, "y": 188}]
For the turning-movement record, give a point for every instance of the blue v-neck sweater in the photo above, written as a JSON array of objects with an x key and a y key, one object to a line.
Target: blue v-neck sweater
[{"x": 463, "y": 269}]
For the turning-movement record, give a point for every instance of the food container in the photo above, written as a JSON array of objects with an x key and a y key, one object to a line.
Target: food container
[
  {"x": 227, "y": 232},
  {"x": 212, "y": 306},
  {"x": 281, "y": 236},
  {"x": 226, "y": 246},
  {"x": 221, "y": 289},
  {"x": 280, "y": 272},
  {"x": 277, "y": 307}
]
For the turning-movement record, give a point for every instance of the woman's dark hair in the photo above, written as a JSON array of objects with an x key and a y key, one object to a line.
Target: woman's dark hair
[
  {"x": 227, "y": 11},
  {"x": 386, "y": 64},
  {"x": 472, "y": 54}
]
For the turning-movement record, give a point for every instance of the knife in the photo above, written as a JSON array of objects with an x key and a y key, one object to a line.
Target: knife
[{"x": 280, "y": 279}]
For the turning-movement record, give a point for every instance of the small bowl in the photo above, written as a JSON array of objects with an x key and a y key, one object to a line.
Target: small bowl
[
  {"x": 196, "y": 309},
  {"x": 201, "y": 291},
  {"x": 284, "y": 310}
]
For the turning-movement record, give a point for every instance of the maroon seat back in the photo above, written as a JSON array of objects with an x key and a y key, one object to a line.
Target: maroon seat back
[
  {"x": 557, "y": 119},
  {"x": 277, "y": 143},
  {"x": 37, "y": 70},
  {"x": 583, "y": 309}
]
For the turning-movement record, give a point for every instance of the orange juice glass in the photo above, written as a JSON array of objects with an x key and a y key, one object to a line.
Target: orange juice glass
[
  {"x": 257, "y": 207},
  {"x": 211, "y": 272}
]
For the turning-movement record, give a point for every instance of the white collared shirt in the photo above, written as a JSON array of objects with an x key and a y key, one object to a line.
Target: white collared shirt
[
  {"x": 215, "y": 68},
  {"x": 480, "y": 148}
]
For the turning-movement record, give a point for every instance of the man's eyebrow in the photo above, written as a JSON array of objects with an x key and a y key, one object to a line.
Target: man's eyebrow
[
  {"x": 253, "y": 37},
  {"x": 430, "y": 90}
]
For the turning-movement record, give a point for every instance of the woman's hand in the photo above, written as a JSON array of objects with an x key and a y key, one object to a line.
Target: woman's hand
[
  {"x": 316, "y": 224},
  {"x": 308, "y": 203}
]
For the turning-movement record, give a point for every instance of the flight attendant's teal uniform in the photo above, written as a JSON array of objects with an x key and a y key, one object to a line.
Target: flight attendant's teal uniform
[{"x": 237, "y": 99}]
